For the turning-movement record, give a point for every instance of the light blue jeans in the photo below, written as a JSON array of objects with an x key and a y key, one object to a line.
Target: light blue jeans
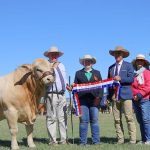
[
  {"x": 89, "y": 114},
  {"x": 142, "y": 110}
]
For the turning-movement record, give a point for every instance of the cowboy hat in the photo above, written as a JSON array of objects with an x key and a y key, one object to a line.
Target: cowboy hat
[
  {"x": 119, "y": 49},
  {"x": 53, "y": 49},
  {"x": 140, "y": 57},
  {"x": 87, "y": 57}
]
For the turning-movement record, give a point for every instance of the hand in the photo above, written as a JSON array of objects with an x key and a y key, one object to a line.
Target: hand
[
  {"x": 97, "y": 101},
  {"x": 135, "y": 98},
  {"x": 107, "y": 102},
  {"x": 138, "y": 97},
  {"x": 117, "y": 78},
  {"x": 69, "y": 87}
]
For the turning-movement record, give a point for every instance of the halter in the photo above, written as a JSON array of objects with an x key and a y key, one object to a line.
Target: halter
[{"x": 46, "y": 73}]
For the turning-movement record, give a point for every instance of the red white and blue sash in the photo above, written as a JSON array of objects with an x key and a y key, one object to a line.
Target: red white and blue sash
[{"x": 77, "y": 88}]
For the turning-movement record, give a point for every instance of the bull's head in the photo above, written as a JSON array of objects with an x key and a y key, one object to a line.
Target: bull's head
[{"x": 43, "y": 71}]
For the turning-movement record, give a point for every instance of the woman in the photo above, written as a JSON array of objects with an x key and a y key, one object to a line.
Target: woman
[
  {"x": 89, "y": 100},
  {"x": 141, "y": 96}
]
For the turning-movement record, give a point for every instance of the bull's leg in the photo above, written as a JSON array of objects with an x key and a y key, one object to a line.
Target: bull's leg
[
  {"x": 29, "y": 129},
  {"x": 12, "y": 118}
]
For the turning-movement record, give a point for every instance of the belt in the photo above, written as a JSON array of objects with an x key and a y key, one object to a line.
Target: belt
[{"x": 59, "y": 93}]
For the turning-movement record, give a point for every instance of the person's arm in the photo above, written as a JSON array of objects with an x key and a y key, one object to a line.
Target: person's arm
[
  {"x": 76, "y": 78},
  {"x": 145, "y": 88},
  {"x": 69, "y": 87}
]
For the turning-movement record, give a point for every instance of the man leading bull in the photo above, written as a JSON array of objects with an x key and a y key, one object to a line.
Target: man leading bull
[{"x": 56, "y": 100}]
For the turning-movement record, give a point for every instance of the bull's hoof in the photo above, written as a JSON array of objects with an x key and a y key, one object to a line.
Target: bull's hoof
[
  {"x": 32, "y": 146},
  {"x": 15, "y": 148}
]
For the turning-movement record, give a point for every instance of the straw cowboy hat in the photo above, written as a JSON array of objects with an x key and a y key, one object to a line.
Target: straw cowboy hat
[
  {"x": 53, "y": 49},
  {"x": 87, "y": 57},
  {"x": 120, "y": 49},
  {"x": 140, "y": 57}
]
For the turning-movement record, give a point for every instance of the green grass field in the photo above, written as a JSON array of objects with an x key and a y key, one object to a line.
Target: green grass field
[{"x": 108, "y": 136}]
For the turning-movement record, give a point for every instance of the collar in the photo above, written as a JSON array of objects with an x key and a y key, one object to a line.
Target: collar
[
  {"x": 52, "y": 61},
  {"x": 120, "y": 63},
  {"x": 88, "y": 70}
]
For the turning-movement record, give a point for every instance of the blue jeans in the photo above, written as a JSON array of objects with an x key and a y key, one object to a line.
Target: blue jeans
[
  {"x": 142, "y": 110},
  {"x": 89, "y": 114}
]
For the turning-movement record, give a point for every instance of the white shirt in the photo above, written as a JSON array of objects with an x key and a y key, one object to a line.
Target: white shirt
[
  {"x": 58, "y": 81},
  {"x": 119, "y": 67}
]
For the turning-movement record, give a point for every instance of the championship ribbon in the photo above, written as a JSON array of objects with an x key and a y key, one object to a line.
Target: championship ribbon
[{"x": 77, "y": 88}]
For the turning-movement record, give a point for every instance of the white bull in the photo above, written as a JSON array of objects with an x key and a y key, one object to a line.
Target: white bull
[{"x": 19, "y": 95}]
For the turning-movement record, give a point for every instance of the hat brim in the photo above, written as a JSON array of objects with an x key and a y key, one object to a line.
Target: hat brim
[
  {"x": 59, "y": 53},
  {"x": 147, "y": 63},
  {"x": 81, "y": 60},
  {"x": 125, "y": 52}
]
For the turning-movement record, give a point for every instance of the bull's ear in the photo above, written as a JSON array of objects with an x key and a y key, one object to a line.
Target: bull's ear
[
  {"x": 27, "y": 71},
  {"x": 27, "y": 67}
]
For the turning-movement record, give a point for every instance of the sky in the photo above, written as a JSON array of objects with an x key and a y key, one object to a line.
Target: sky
[{"x": 77, "y": 27}]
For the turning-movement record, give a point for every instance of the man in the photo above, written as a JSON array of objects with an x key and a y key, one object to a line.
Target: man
[
  {"x": 55, "y": 99},
  {"x": 123, "y": 72},
  {"x": 89, "y": 100}
]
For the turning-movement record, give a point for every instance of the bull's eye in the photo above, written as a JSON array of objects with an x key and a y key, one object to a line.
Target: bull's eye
[{"x": 39, "y": 70}]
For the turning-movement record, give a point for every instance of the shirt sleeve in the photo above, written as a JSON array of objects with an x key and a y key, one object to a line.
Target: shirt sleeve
[{"x": 145, "y": 89}]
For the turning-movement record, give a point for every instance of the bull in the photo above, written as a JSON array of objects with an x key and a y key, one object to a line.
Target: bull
[{"x": 20, "y": 92}]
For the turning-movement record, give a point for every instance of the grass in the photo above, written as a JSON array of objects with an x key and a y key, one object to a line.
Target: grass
[{"x": 108, "y": 136}]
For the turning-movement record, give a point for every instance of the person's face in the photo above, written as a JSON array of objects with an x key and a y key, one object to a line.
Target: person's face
[
  {"x": 139, "y": 63},
  {"x": 87, "y": 63},
  {"x": 53, "y": 56},
  {"x": 118, "y": 56}
]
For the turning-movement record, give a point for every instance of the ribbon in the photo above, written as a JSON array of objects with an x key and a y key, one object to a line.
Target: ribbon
[{"x": 77, "y": 88}]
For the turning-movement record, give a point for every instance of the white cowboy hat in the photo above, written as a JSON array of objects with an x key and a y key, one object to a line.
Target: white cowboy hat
[
  {"x": 87, "y": 57},
  {"x": 53, "y": 49},
  {"x": 140, "y": 57},
  {"x": 120, "y": 49}
]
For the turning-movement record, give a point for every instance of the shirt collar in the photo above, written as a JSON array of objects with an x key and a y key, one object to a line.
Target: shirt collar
[
  {"x": 120, "y": 63},
  {"x": 88, "y": 70}
]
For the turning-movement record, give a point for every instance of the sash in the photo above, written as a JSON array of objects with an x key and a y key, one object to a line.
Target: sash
[{"x": 77, "y": 88}]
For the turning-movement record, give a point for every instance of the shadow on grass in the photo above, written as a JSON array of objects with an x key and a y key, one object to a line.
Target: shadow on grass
[
  {"x": 107, "y": 140},
  {"x": 41, "y": 140},
  {"x": 6, "y": 143},
  {"x": 111, "y": 140}
]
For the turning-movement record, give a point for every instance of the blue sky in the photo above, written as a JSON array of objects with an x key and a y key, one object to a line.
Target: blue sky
[{"x": 77, "y": 27}]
